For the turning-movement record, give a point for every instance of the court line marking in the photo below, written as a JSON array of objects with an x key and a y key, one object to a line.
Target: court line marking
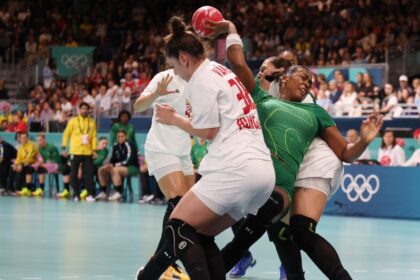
[
  {"x": 104, "y": 276},
  {"x": 388, "y": 270},
  {"x": 415, "y": 270},
  {"x": 31, "y": 278},
  {"x": 360, "y": 271},
  {"x": 69, "y": 277}
]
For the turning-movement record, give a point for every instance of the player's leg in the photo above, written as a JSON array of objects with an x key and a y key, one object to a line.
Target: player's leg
[
  {"x": 307, "y": 210},
  {"x": 117, "y": 175}
]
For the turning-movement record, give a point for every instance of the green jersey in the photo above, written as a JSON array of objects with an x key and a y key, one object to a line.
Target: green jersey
[
  {"x": 128, "y": 128},
  {"x": 102, "y": 154},
  {"x": 197, "y": 153},
  {"x": 50, "y": 154},
  {"x": 288, "y": 128}
]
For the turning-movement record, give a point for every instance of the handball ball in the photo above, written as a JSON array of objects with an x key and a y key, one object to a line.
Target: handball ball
[{"x": 199, "y": 17}]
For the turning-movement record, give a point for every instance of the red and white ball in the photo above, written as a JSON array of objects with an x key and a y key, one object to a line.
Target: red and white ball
[{"x": 199, "y": 17}]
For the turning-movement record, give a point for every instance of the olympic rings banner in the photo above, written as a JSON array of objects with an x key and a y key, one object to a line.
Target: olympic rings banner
[
  {"x": 70, "y": 60},
  {"x": 377, "y": 191}
]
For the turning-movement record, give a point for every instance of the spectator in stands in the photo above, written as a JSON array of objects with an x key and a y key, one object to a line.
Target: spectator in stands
[
  {"x": 81, "y": 132},
  {"x": 124, "y": 162},
  {"x": 17, "y": 125},
  {"x": 323, "y": 100},
  {"x": 50, "y": 163},
  {"x": 104, "y": 99},
  {"x": 368, "y": 86},
  {"x": 123, "y": 123},
  {"x": 404, "y": 89},
  {"x": 390, "y": 101},
  {"x": 390, "y": 154},
  {"x": 359, "y": 57},
  {"x": 7, "y": 155},
  {"x": 30, "y": 47},
  {"x": 3, "y": 91},
  {"x": 352, "y": 138},
  {"x": 415, "y": 158},
  {"x": 46, "y": 115},
  {"x": 66, "y": 107},
  {"x": 49, "y": 73},
  {"x": 87, "y": 98},
  {"x": 359, "y": 82},
  {"x": 6, "y": 113},
  {"x": 35, "y": 122},
  {"x": 25, "y": 165},
  {"x": 335, "y": 93},
  {"x": 347, "y": 100},
  {"x": 4, "y": 124}
]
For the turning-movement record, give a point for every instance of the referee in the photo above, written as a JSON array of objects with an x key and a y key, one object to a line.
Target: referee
[{"x": 81, "y": 132}]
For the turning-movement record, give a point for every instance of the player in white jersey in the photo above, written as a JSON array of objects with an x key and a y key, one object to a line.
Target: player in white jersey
[
  {"x": 167, "y": 148},
  {"x": 238, "y": 175}
]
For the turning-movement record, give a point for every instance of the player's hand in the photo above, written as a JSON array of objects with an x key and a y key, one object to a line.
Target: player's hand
[
  {"x": 218, "y": 27},
  {"x": 371, "y": 127},
  {"x": 162, "y": 87},
  {"x": 64, "y": 153},
  {"x": 165, "y": 114},
  {"x": 94, "y": 155}
]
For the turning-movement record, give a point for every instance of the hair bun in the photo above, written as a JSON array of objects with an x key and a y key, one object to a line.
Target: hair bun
[{"x": 177, "y": 26}]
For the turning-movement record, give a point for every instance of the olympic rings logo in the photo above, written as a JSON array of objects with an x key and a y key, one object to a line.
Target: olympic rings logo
[
  {"x": 360, "y": 187},
  {"x": 74, "y": 61}
]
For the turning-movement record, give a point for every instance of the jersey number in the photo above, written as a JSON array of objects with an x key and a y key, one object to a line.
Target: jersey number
[{"x": 243, "y": 94}]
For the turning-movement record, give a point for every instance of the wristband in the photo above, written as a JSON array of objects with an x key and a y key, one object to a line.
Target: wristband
[{"x": 233, "y": 39}]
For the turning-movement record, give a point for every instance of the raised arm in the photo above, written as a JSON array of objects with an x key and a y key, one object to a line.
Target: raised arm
[
  {"x": 368, "y": 131},
  {"x": 235, "y": 51}
]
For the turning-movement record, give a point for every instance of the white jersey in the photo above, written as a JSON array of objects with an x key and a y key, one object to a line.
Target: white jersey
[
  {"x": 166, "y": 138},
  {"x": 219, "y": 99}
]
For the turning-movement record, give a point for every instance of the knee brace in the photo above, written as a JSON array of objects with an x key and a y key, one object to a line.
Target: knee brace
[
  {"x": 172, "y": 203},
  {"x": 271, "y": 211},
  {"x": 181, "y": 237},
  {"x": 303, "y": 229},
  {"x": 279, "y": 230}
]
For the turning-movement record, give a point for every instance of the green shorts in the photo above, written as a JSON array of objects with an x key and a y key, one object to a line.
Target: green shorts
[
  {"x": 284, "y": 178},
  {"x": 132, "y": 170}
]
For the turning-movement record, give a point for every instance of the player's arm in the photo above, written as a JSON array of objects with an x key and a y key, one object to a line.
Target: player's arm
[
  {"x": 156, "y": 88},
  {"x": 235, "y": 51},
  {"x": 368, "y": 131},
  {"x": 167, "y": 115}
]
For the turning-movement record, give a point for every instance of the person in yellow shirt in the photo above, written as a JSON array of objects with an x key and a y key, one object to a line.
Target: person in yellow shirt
[
  {"x": 25, "y": 165},
  {"x": 6, "y": 114},
  {"x": 81, "y": 132}
]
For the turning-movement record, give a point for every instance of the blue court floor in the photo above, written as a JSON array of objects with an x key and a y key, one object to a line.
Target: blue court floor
[{"x": 50, "y": 239}]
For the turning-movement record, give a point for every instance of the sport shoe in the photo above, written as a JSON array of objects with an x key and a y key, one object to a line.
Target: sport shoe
[
  {"x": 83, "y": 194},
  {"x": 24, "y": 192},
  {"x": 64, "y": 194},
  {"x": 90, "y": 198},
  {"x": 101, "y": 196},
  {"x": 157, "y": 201},
  {"x": 146, "y": 199},
  {"x": 174, "y": 273},
  {"x": 283, "y": 275},
  {"x": 243, "y": 264},
  {"x": 116, "y": 196},
  {"x": 38, "y": 193},
  {"x": 76, "y": 198}
]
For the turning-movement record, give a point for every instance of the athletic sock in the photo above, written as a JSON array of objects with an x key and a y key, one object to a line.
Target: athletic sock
[
  {"x": 42, "y": 186},
  {"x": 67, "y": 186},
  {"x": 214, "y": 257},
  {"x": 321, "y": 252},
  {"x": 118, "y": 189},
  {"x": 103, "y": 189},
  {"x": 248, "y": 233},
  {"x": 172, "y": 203},
  {"x": 289, "y": 253}
]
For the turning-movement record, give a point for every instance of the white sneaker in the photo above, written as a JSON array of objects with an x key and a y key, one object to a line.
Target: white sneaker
[
  {"x": 76, "y": 198},
  {"x": 90, "y": 198},
  {"x": 101, "y": 196},
  {"x": 146, "y": 199},
  {"x": 115, "y": 197}
]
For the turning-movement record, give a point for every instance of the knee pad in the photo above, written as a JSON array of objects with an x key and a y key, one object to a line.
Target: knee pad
[
  {"x": 181, "y": 237},
  {"x": 279, "y": 230},
  {"x": 271, "y": 211},
  {"x": 304, "y": 231}
]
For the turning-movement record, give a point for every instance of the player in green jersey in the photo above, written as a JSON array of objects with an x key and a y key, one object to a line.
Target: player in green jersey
[
  {"x": 289, "y": 128},
  {"x": 123, "y": 123}
]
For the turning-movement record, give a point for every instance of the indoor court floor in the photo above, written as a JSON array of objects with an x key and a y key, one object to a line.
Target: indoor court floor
[{"x": 50, "y": 239}]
